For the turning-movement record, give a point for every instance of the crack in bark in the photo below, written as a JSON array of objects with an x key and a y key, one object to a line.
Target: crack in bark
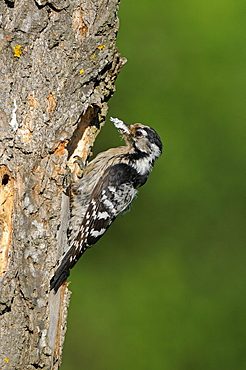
[
  {"x": 6, "y": 309},
  {"x": 41, "y": 4}
]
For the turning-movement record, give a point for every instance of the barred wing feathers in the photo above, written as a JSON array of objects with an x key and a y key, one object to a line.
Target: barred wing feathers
[{"x": 113, "y": 192}]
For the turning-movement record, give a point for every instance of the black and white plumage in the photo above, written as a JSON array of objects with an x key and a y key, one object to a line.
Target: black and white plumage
[{"x": 108, "y": 186}]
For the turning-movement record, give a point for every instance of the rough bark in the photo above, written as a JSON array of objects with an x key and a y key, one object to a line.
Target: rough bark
[{"x": 58, "y": 63}]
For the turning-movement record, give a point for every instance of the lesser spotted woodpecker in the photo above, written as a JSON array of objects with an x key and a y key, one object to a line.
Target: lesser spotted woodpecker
[{"x": 108, "y": 186}]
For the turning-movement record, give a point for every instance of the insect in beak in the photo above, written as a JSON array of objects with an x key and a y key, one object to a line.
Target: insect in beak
[{"x": 120, "y": 125}]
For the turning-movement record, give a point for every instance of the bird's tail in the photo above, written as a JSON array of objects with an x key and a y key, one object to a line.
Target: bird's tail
[{"x": 63, "y": 271}]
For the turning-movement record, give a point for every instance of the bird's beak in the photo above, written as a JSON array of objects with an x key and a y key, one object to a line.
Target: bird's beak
[{"x": 120, "y": 125}]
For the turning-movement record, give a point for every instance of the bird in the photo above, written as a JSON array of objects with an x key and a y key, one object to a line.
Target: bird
[{"x": 109, "y": 184}]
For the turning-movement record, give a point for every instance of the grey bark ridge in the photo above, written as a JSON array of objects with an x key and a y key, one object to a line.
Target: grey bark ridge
[{"x": 58, "y": 64}]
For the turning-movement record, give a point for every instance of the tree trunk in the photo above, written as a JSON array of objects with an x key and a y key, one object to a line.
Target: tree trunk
[{"x": 58, "y": 63}]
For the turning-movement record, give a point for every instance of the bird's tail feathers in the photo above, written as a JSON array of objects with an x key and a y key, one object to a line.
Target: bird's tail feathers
[{"x": 62, "y": 273}]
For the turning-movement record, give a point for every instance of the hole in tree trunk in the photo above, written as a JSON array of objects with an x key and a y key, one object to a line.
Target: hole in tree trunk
[
  {"x": 10, "y": 4},
  {"x": 5, "y": 179},
  {"x": 89, "y": 118}
]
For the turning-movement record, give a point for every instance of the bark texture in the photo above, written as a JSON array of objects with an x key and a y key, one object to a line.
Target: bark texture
[{"x": 58, "y": 64}]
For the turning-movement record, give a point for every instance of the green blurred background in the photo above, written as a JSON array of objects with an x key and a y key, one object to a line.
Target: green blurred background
[{"x": 165, "y": 287}]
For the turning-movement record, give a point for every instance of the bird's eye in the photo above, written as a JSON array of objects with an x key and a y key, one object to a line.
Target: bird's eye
[{"x": 138, "y": 133}]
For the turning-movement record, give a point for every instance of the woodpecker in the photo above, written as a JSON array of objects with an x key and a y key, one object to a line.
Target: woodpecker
[{"x": 108, "y": 186}]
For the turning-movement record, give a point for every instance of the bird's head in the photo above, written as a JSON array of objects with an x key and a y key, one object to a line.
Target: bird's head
[{"x": 143, "y": 139}]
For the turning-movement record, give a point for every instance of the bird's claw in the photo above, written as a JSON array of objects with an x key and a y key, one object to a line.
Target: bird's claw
[{"x": 81, "y": 165}]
